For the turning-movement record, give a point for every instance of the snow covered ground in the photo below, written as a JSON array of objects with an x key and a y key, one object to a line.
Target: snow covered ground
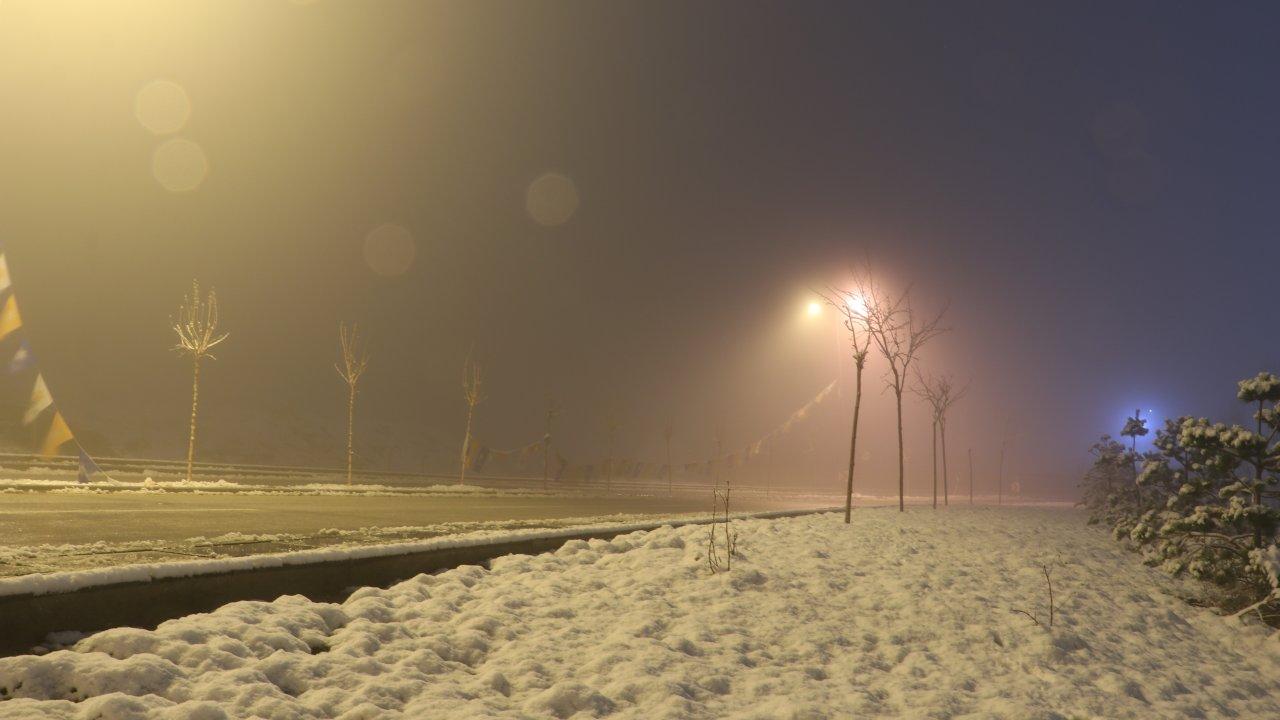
[
  {"x": 899, "y": 615},
  {"x": 328, "y": 546}
]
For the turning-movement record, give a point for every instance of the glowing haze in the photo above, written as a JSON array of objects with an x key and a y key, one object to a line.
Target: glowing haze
[{"x": 624, "y": 206}]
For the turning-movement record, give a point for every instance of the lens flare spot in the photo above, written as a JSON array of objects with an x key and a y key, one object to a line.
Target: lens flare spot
[
  {"x": 551, "y": 200},
  {"x": 162, "y": 107},
  {"x": 389, "y": 250},
  {"x": 814, "y": 309},
  {"x": 179, "y": 165}
]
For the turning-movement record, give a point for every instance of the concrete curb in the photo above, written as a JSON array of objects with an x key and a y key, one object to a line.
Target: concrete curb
[{"x": 26, "y": 620}]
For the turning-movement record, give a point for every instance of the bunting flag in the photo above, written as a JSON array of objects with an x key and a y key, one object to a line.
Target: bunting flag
[
  {"x": 23, "y": 359},
  {"x": 31, "y": 420},
  {"x": 57, "y": 436},
  {"x": 532, "y": 451},
  {"x": 41, "y": 400},
  {"x": 521, "y": 455},
  {"x": 88, "y": 468},
  {"x": 10, "y": 318}
]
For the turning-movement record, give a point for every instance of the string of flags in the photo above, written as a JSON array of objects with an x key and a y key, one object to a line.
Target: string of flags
[
  {"x": 29, "y": 418},
  {"x": 478, "y": 454}
]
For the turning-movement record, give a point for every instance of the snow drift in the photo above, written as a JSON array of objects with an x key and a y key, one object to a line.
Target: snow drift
[{"x": 898, "y": 615}]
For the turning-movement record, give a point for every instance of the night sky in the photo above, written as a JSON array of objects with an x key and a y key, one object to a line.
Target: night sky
[{"x": 1089, "y": 188}]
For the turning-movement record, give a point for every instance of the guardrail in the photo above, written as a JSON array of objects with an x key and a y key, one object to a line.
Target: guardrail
[{"x": 302, "y": 474}]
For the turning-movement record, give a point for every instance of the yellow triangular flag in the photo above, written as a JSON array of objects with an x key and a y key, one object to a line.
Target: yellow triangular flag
[
  {"x": 41, "y": 399},
  {"x": 10, "y": 318},
  {"x": 59, "y": 435}
]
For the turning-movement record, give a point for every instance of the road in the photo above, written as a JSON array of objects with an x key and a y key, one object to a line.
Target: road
[{"x": 79, "y": 518}]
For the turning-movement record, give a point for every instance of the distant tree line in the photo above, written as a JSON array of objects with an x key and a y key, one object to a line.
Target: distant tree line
[{"x": 1203, "y": 502}]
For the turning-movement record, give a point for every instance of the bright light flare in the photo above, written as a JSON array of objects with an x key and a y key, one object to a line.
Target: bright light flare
[
  {"x": 162, "y": 106},
  {"x": 814, "y": 309},
  {"x": 389, "y": 250},
  {"x": 179, "y": 165},
  {"x": 551, "y": 200},
  {"x": 856, "y": 303}
]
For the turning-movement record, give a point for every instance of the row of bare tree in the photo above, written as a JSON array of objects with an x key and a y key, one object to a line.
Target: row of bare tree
[
  {"x": 196, "y": 326},
  {"x": 890, "y": 324},
  {"x": 874, "y": 319}
]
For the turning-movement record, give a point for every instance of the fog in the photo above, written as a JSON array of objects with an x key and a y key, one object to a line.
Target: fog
[{"x": 624, "y": 208}]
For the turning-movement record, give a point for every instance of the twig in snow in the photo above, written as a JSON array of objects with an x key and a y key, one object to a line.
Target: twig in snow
[{"x": 1048, "y": 581}]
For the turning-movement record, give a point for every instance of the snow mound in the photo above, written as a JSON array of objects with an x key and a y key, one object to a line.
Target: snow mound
[{"x": 897, "y": 615}]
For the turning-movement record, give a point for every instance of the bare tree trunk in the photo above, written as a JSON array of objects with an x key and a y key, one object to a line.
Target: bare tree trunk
[
  {"x": 608, "y": 479},
  {"x": 1000, "y": 478},
  {"x": 946, "y": 495},
  {"x": 902, "y": 464},
  {"x": 351, "y": 433},
  {"x": 195, "y": 403},
  {"x": 853, "y": 449},
  {"x": 670, "y": 483},
  {"x": 970, "y": 476},
  {"x": 466, "y": 446},
  {"x": 935, "y": 464},
  {"x": 546, "y": 453},
  {"x": 197, "y": 329},
  {"x": 768, "y": 473}
]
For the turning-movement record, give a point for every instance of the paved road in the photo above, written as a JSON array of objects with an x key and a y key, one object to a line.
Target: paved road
[{"x": 47, "y": 518}]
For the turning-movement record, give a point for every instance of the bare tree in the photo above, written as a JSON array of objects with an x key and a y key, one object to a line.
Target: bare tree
[
  {"x": 768, "y": 473},
  {"x": 473, "y": 395},
  {"x": 197, "y": 329},
  {"x": 852, "y": 309},
  {"x": 667, "y": 433},
  {"x": 899, "y": 333},
  {"x": 553, "y": 410},
  {"x": 351, "y": 367},
  {"x": 1004, "y": 444},
  {"x": 941, "y": 393},
  {"x": 612, "y": 424},
  {"x": 970, "y": 476}
]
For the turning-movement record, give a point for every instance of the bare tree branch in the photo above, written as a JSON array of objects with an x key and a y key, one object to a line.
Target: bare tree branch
[
  {"x": 197, "y": 329},
  {"x": 899, "y": 333},
  {"x": 852, "y": 308},
  {"x": 354, "y": 362},
  {"x": 941, "y": 393},
  {"x": 473, "y": 395}
]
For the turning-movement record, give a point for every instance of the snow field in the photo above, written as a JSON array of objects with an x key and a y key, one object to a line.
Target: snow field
[{"x": 896, "y": 616}]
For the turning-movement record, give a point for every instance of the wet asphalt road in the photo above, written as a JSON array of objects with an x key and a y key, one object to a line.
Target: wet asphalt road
[{"x": 56, "y": 518}]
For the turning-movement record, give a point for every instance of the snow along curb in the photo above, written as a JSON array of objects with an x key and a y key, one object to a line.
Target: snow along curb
[{"x": 32, "y": 606}]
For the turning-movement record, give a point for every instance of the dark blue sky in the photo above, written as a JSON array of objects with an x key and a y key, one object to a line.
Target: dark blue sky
[{"x": 1091, "y": 186}]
